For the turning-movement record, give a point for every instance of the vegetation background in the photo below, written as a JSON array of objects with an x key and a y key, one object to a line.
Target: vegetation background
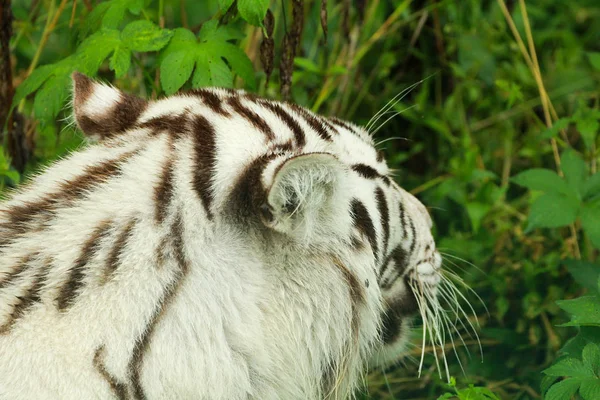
[{"x": 498, "y": 135}]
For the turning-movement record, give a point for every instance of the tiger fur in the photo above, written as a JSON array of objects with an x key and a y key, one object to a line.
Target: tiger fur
[{"x": 208, "y": 245}]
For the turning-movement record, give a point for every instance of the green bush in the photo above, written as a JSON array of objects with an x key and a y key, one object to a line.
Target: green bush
[{"x": 495, "y": 129}]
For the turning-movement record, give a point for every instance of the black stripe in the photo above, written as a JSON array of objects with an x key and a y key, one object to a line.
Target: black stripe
[
  {"x": 120, "y": 118},
  {"x": 118, "y": 389},
  {"x": 364, "y": 223},
  {"x": 20, "y": 217},
  {"x": 211, "y": 100},
  {"x": 256, "y": 120},
  {"x": 163, "y": 193},
  {"x": 413, "y": 239},
  {"x": 142, "y": 343},
  {"x": 343, "y": 124},
  {"x": 114, "y": 257},
  {"x": 205, "y": 160},
  {"x": 248, "y": 195},
  {"x": 174, "y": 125},
  {"x": 312, "y": 121},
  {"x": 403, "y": 220},
  {"x": 25, "y": 301},
  {"x": 16, "y": 272},
  {"x": 288, "y": 120},
  {"x": 70, "y": 290},
  {"x": 384, "y": 215},
  {"x": 365, "y": 171}
]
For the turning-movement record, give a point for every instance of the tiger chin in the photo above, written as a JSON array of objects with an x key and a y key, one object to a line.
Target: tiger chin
[{"x": 208, "y": 245}]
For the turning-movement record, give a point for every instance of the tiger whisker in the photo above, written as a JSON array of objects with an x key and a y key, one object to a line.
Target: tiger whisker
[
  {"x": 393, "y": 116},
  {"x": 390, "y": 104}
]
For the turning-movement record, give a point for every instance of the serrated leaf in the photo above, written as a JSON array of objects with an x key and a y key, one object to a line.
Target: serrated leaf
[
  {"x": 175, "y": 70},
  {"x": 51, "y": 98},
  {"x": 182, "y": 39},
  {"x": 201, "y": 76},
  {"x": 546, "y": 382},
  {"x": 585, "y": 311},
  {"x": 551, "y": 132},
  {"x": 594, "y": 58},
  {"x": 590, "y": 389},
  {"x": 563, "y": 390},
  {"x": 591, "y": 187},
  {"x": 240, "y": 63},
  {"x": 220, "y": 74},
  {"x": 94, "y": 18},
  {"x": 95, "y": 49},
  {"x": 591, "y": 357},
  {"x": 211, "y": 31},
  {"x": 574, "y": 346},
  {"x": 586, "y": 274},
  {"x": 145, "y": 36},
  {"x": 552, "y": 211},
  {"x": 588, "y": 127},
  {"x": 225, "y": 4},
  {"x": 570, "y": 367},
  {"x": 590, "y": 220},
  {"x": 120, "y": 61},
  {"x": 574, "y": 169},
  {"x": 33, "y": 82},
  {"x": 114, "y": 14},
  {"x": 542, "y": 179},
  {"x": 253, "y": 11}
]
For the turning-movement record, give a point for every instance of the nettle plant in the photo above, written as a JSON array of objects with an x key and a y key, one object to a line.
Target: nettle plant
[
  {"x": 207, "y": 58},
  {"x": 572, "y": 200}
]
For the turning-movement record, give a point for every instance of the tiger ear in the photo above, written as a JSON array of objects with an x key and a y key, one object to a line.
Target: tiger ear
[
  {"x": 303, "y": 196},
  {"x": 102, "y": 111}
]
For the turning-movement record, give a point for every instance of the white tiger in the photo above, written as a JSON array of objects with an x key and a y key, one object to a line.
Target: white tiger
[{"x": 211, "y": 245}]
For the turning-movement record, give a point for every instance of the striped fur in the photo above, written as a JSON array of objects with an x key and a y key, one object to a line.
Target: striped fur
[{"x": 210, "y": 245}]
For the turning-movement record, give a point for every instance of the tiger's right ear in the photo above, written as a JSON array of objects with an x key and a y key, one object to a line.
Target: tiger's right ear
[{"x": 102, "y": 111}]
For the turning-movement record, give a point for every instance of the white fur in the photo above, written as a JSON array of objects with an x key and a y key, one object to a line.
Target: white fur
[{"x": 251, "y": 320}]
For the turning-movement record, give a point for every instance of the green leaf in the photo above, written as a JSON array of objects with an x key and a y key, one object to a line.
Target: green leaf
[
  {"x": 33, "y": 82},
  {"x": 225, "y": 4},
  {"x": 477, "y": 211},
  {"x": 201, "y": 76},
  {"x": 240, "y": 63},
  {"x": 542, "y": 179},
  {"x": 114, "y": 14},
  {"x": 574, "y": 346},
  {"x": 591, "y": 357},
  {"x": 590, "y": 219},
  {"x": 586, "y": 274},
  {"x": 220, "y": 74},
  {"x": 590, "y": 389},
  {"x": 551, "y": 132},
  {"x": 93, "y": 51},
  {"x": 182, "y": 39},
  {"x": 120, "y": 61},
  {"x": 211, "y": 31},
  {"x": 563, "y": 390},
  {"x": 574, "y": 169},
  {"x": 594, "y": 58},
  {"x": 588, "y": 127},
  {"x": 584, "y": 311},
  {"x": 51, "y": 98},
  {"x": 591, "y": 187},
  {"x": 145, "y": 36},
  {"x": 552, "y": 211},
  {"x": 253, "y": 11},
  {"x": 571, "y": 367},
  {"x": 175, "y": 70}
]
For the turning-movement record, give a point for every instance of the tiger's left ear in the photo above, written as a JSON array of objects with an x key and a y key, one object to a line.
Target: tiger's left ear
[
  {"x": 102, "y": 111},
  {"x": 305, "y": 197}
]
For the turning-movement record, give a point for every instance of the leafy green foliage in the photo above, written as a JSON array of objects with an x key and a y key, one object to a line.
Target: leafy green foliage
[
  {"x": 205, "y": 56},
  {"x": 470, "y": 393}
]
